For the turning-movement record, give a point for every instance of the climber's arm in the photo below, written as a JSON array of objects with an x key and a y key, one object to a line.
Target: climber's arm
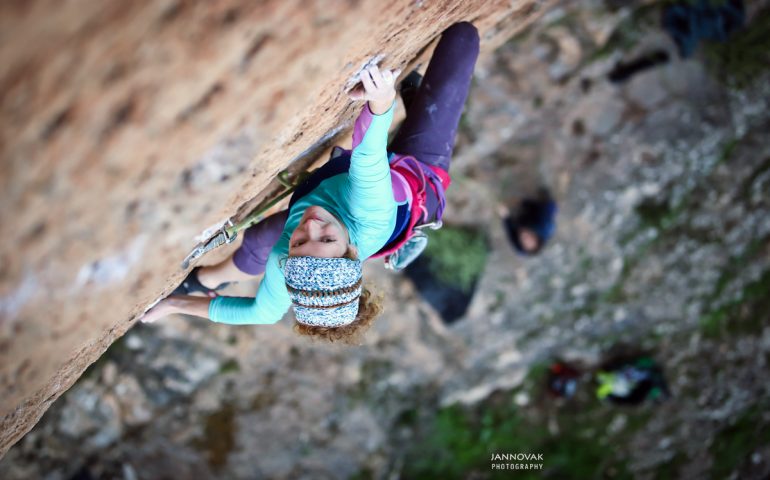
[
  {"x": 269, "y": 305},
  {"x": 370, "y": 188},
  {"x": 231, "y": 310},
  {"x": 184, "y": 304},
  {"x": 380, "y": 98}
]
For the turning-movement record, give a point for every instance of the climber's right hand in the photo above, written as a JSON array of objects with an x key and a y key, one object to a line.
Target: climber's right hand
[{"x": 378, "y": 87}]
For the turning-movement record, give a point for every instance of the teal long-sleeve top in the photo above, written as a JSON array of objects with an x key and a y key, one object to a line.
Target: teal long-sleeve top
[{"x": 362, "y": 199}]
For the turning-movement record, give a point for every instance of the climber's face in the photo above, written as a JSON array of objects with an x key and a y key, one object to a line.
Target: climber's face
[{"x": 319, "y": 234}]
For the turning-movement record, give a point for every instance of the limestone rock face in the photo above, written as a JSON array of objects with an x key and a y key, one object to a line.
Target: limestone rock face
[{"x": 127, "y": 128}]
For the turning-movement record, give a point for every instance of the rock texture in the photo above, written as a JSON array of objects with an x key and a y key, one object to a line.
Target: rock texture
[{"x": 130, "y": 127}]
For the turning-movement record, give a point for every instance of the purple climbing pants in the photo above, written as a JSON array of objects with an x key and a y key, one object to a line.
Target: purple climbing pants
[{"x": 429, "y": 131}]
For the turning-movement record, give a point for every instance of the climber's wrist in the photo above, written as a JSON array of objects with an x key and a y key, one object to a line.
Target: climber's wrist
[
  {"x": 189, "y": 305},
  {"x": 378, "y": 107}
]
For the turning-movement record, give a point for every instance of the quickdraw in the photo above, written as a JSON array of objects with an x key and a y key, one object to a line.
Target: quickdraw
[{"x": 229, "y": 231}]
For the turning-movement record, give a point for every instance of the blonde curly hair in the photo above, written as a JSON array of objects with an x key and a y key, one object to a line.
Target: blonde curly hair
[{"x": 369, "y": 307}]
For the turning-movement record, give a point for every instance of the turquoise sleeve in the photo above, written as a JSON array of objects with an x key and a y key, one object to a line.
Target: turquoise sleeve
[
  {"x": 370, "y": 188},
  {"x": 268, "y": 307}
]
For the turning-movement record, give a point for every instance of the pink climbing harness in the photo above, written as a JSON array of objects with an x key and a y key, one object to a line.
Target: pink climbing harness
[{"x": 417, "y": 177}]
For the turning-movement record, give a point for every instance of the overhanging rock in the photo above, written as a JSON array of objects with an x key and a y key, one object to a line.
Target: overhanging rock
[{"x": 129, "y": 127}]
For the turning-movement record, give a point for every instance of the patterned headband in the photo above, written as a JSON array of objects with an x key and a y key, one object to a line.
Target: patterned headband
[{"x": 324, "y": 290}]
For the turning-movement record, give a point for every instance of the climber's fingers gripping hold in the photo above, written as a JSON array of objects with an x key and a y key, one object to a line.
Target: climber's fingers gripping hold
[
  {"x": 378, "y": 87},
  {"x": 368, "y": 83}
]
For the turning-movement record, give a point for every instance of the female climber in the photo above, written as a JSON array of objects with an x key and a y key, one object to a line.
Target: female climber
[{"x": 362, "y": 203}]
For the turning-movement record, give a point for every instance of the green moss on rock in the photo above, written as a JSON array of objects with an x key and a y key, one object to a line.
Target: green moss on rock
[{"x": 457, "y": 256}]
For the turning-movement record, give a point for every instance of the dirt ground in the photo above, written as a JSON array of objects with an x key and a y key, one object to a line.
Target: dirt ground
[{"x": 662, "y": 245}]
